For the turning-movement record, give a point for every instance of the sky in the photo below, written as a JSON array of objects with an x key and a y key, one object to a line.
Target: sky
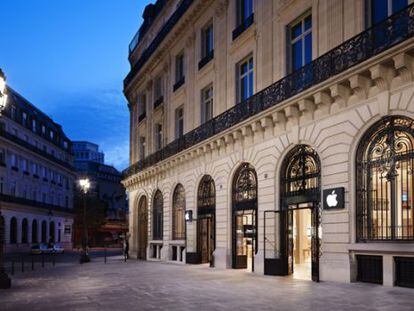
[{"x": 69, "y": 58}]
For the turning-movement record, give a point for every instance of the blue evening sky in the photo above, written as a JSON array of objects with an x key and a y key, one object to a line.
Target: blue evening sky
[{"x": 69, "y": 57}]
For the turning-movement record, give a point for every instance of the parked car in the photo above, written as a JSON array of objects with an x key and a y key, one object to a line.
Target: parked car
[
  {"x": 58, "y": 249},
  {"x": 35, "y": 249}
]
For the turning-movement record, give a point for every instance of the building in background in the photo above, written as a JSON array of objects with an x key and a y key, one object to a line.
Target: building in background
[
  {"x": 36, "y": 177},
  {"x": 275, "y": 136},
  {"x": 106, "y": 192}
]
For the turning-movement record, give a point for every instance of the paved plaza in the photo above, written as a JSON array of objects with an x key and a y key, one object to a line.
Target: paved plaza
[{"x": 138, "y": 285}]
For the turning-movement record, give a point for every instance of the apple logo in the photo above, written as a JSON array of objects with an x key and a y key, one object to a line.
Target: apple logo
[{"x": 331, "y": 199}]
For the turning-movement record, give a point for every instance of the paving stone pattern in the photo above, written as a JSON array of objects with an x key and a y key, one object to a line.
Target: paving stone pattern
[{"x": 138, "y": 285}]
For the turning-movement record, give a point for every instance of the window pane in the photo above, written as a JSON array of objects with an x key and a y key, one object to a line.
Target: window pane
[
  {"x": 398, "y": 5},
  {"x": 296, "y": 30},
  {"x": 379, "y": 10},
  {"x": 250, "y": 92},
  {"x": 308, "y": 48},
  {"x": 297, "y": 55},
  {"x": 308, "y": 22}
]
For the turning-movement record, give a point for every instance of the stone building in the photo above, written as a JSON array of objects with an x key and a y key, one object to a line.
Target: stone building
[
  {"x": 107, "y": 187},
  {"x": 275, "y": 136},
  {"x": 36, "y": 177}
]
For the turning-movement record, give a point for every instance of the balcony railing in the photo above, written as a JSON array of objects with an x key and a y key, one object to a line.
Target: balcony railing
[
  {"x": 34, "y": 149},
  {"x": 165, "y": 30},
  {"x": 243, "y": 26},
  {"x": 206, "y": 59},
  {"x": 27, "y": 202},
  {"x": 178, "y": 84},
  {"x": 375, "y": 40}
]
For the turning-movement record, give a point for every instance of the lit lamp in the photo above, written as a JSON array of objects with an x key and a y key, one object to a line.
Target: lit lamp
[
  {"x": 85, "y": 185},
  {"x": 188, "y": 215},
  {"x": 5, "y": 281}
]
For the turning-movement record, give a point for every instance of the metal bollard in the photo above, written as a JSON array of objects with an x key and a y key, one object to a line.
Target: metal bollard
[
  {"x": 43, "y": 260},
  {"x": 12, "y": 267},
  {"x": 32, "y": 262},
  {"x": 53, "y": 259},
  {"x": 22, "y": 260}
]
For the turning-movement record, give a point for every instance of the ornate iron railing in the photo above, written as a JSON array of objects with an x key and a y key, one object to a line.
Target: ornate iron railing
[
  {"x": 25, "y": 144},
  {"x": 33, "y": 203},
  {"x": 165, "y": 30},
  {"x": 373, "y": 41}
]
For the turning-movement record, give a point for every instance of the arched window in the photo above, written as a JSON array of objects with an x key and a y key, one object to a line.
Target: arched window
[
  {"x": 157, "y": 216},
  {"x": 25, "y": 228},
  {"x": 44, "y": 231},
  {"x": 13, "y": 230},
  {"x": 52, "y": 232},
  {"x": 245, "y": 184},
  {"x": 34, "y": 231},
  {"x": 300, "y": 173},
  {"x": 178, "y": 225},
  {"x": 206, "y": 194},
  {"x": 385, "y": 181}
]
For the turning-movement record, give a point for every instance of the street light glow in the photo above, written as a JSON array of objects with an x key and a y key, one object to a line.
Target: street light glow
[{"x": 84, "y": 184}]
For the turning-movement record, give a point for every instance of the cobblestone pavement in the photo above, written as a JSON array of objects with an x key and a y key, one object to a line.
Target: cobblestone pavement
[{"x": 139, "y": 285}]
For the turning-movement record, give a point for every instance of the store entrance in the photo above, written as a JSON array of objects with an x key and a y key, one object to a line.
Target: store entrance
[
  {"x": 206, "y": 238},
  {"x": 300, "y": 241},
  {"x": 244, "y": 239}
]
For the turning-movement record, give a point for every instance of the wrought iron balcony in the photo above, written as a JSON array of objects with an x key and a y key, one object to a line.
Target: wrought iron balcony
[
  {"x": 25, "y": 144},
  {"x": 206, "y": 59},
  {"x": 243, "y": 26},
  {"x": 165, "y": 30},
  {"x": 142, "y": 116},
  {"x": 375, "y": 40},
  {"x": 178, "y": 84},
  {"x": 158, "y": 101},
  {"x": 27, "y": 202}
]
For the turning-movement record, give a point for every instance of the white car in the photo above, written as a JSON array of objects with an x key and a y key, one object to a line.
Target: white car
[{"x": 58, "y": 249}]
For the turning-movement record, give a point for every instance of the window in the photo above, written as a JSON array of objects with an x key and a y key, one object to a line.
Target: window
[
  {"x": 43, "y": 129},
  {"x": 157, "y": 216},
  {"x": 385, "y": 183},
  {"x": 158, "y": 93},
  {"x": 44, "y": 231},
  {"x": 300, "y": 43},
  {"x": 14, "y": 160},
  {"x": 179, "y": 68},
  {"x": 158, "y": 136},
  {"x": 13, "y": 112},
  {"x": 24, "y": 165},
  {"x": 25, "y": 229},
  {"x": 178, "y": 213},
  {"x": 379, "y": 10},
  {"x": 142, "y": 107},
  {"x": 52, "y": 135},
  {"x": 34, "y": 231},
  {"x": 245, "y": 79},
  {"x": 244, "y": 10},
  {"x": 13, "y": 188},
  {"x": 142, "y": 144},
  {"x": 24, "y": 118},
  {"x": 207, "y": 41},
  {"x": 179, "y": 122},
  {"x": 207, "y": 104},
  {"x": 2, "y": 157},
  {"x": 34, "y": 125}
]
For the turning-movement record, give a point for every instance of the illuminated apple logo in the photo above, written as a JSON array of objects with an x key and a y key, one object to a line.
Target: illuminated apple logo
[{"x": 331, "y": 199}]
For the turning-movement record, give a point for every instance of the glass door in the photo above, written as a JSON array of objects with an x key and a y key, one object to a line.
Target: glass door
[{"x": 244, "y": 239}]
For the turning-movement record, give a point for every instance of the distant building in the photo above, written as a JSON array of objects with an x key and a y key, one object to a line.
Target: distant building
[
  {"x": 106, "y": 185},
  {"x": 36, "y": 177},
  {"x": 85, "y": 151}
]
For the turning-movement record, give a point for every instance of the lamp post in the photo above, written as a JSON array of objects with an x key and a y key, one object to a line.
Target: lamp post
[
  {"x": 84, "y": 185},
  {"x": 5, "y": 281}
]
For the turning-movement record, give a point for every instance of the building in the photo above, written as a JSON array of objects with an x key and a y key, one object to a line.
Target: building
[
  {"x": 87, "y": 151},
  {"x": 36, "y": 177},
  {"x": 107, "y": 188},
  {"x": 274, "y": 136}
]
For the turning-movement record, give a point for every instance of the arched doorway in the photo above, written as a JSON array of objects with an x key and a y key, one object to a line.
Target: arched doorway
[
  {"x": 206, "y": 224},
  {"x": 244, "y": 217},
  {"x": 13, "y": 231},
  {"x": 178, "y": 225},
  {"x": 34, "y": 231},
  {"x": 44, "y": 231},
  {"x": 52, "y": 232},
  {"x": 25, "y": 228},
  {"x": 299, "y": 215},
  {"x": 142, "y": 228}
]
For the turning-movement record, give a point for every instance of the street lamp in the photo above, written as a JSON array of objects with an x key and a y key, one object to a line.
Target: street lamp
[
  {"x": 5, "y": 281},
  {"x": 84, "y": 185}
]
